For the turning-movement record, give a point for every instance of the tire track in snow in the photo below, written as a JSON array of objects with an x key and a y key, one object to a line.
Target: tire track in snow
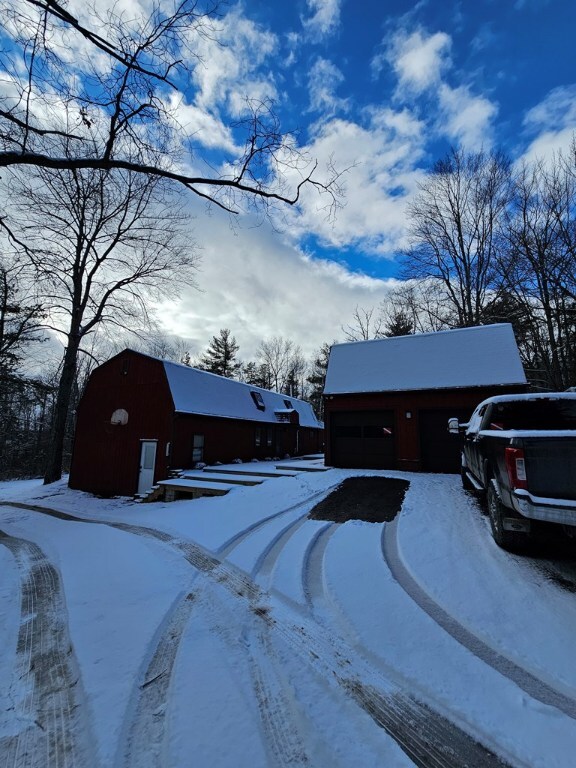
[
  {"x": 276, "y": 706},
  {"x": 535, "y": 687},
  {"x": 313, "y": 567},
  {"x": 315, "y": 645},
  {"x": 235, "y": 540},
  {"x": 53, "y": 729},
  {"x": 428, "y": 738},
  {"x": 264, "y": 565},
  {"x": 145, "y": 730}
]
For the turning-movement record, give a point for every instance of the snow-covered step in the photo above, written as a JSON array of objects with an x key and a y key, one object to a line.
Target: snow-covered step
[
  {"x": 303, "y": 466},
  {"x": 224, "y": 477},
  {"x": 254, "y": 469},
  {"x": 193, "y": 488}
]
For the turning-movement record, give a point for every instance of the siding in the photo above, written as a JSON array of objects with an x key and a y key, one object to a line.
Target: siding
[
  {"x": 407, "y": 430},
  {"x": 106, "y": 457}
]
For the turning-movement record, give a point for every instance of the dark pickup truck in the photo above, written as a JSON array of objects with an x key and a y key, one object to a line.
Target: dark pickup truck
[{"x": 519, "y": 453}]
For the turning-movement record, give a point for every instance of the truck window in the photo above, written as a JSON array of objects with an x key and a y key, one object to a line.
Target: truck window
[
  {"x": 476, "y": 420},
  {"x": 535, "y": 414}
]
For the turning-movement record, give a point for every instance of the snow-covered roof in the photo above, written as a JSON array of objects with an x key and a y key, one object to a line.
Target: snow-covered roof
[
  {"x": 485, "y": 355},
  {"x": 195, "y": 391}
]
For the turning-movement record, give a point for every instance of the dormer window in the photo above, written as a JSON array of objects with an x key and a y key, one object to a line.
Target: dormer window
[
  {"x": 288, "y": 404},
  {"x": 258, "y": 401}
]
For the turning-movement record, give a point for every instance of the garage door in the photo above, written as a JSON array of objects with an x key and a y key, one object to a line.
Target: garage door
[
  {"x": 363, "y": 439},
  {"x": 439, "y": 450}
]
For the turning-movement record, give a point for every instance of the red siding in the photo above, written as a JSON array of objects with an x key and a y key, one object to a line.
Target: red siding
[
  {"x": 407, "y": 430},
  {"x": 229, "y": 439},
  {"x": 106, "y": 457}
]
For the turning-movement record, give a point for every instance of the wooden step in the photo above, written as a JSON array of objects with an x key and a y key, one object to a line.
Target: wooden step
[
  {"x": 255, "y": 470},
  {"x": 194, "y": 488},
  {"x": 236, "y": 479}
]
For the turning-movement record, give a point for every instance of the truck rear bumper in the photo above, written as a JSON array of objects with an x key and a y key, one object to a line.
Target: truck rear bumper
[{"x": 549, "y": 510}]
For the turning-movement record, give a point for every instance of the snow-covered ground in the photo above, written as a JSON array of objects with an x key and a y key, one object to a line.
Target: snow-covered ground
[{"x": 234, "y": 631}]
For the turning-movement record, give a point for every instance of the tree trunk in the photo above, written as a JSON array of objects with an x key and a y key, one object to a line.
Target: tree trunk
[{"x": 65, "y": 386}]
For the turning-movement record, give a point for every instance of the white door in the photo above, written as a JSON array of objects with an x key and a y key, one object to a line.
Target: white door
[{"x": 147, "y": 463}]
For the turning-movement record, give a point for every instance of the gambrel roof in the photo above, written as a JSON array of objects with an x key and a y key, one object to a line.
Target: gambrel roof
[
  {"x": 207, "y": 394},
  {"x": 481, "y": 356}
]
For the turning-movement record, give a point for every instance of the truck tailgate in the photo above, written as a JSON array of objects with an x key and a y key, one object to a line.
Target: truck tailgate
[{"x": 551, "y": 467}]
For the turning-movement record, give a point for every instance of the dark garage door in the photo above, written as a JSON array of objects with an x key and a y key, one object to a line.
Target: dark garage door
[
  {"x": 363, "y": 439},
  {"x": 439, "y": 450}
]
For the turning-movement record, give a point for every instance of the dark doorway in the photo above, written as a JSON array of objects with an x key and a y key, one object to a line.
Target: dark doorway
[{"x": 439, "y": 450}]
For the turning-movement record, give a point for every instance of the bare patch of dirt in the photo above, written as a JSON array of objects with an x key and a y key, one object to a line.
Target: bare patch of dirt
[{"x": 367, "y": 498}]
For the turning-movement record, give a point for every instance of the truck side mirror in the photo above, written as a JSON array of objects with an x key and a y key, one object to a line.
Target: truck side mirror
[{"x": 453, "y": 426}]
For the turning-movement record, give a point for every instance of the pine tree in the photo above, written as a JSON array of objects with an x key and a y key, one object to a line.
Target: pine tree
[
  {"x": 256, "y": 375},
  {"x": 399, "y": 324},
  {"x": 220, "y": 356}
]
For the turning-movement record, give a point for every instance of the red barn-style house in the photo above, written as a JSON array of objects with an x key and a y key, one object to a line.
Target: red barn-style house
[
  {"x": 387, "y": 402},
  {"x": 140, "y": 417}
]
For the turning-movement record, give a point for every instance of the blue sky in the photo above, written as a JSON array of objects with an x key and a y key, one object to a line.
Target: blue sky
[
  {"x": 382, "y": 89},
  {"x": 493, "y": 74}
]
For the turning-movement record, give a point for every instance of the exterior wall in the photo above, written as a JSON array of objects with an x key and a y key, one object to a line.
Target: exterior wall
[
  {"x": 106, "y": 457},
  {"x": 229, "y": 439},
  {"x": 407, "y": 430}
]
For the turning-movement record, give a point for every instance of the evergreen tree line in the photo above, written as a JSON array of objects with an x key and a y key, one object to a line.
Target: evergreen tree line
[{"x": 278, "y": 365}]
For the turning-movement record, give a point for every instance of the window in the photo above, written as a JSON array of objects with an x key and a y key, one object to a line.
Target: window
[
  {"x": 258, "y": 401},
  {"x": 269, "y": 437},
  {"x": 374, "y": 431},
  {"x": 288, "y": 405},
  {"x": 197, "y": 448},
  {"x": 352, "y": 430},
  {"x": 258, "y": 437}
]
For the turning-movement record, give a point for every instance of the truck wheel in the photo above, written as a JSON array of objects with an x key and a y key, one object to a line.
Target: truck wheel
[
  {"x": 509, "y": 540},
  {"x": 466, "y": 483}
]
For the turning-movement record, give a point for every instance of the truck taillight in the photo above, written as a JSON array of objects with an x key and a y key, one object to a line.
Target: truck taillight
[{"x": 516, "y": 468}]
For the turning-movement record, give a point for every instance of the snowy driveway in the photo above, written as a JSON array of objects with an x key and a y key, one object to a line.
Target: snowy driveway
[{"x": 235, "y": 631}]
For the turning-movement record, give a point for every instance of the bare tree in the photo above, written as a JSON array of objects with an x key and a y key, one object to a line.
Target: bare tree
[
  {"x": 538, "y": 269},
  {"x": 421, "y": 305},
  {"x": 279, "y": 357},
  {"x": 317, "y": 379},
  {"x": 116, "y": 102},
  {"x": 21, "y": 313},
  {"x": 457, "y": 222},
  {"x": 295, "y": 382},
  {"x": 365, "y": 325},
  {"x": 103, "y": 244}
]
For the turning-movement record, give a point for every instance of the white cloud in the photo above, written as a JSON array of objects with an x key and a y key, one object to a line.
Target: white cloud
[
  {"x": 323, "y": 80},
  {"x": 552, "y": 123},
  {"x": 325, "y": 17},
  {"x": 465, "y": 118},
  {"x": 422, "y": 64},
  {"x": 418, "y": 59},
  {"x": 381, "y": 176},
  {"x": 229, "y": 69},
  {"x": 557, "y": 110},
  {"x": 259, "y": 287},
  {"x": 208, "y": 130}
]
